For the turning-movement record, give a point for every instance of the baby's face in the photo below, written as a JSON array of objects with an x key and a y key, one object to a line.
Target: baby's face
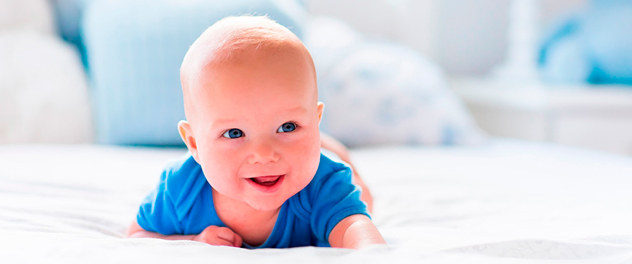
[{"x": 255, "y": 125}]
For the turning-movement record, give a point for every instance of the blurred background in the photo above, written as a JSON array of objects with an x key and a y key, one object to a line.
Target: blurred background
[{"x": 404, "y": 72}]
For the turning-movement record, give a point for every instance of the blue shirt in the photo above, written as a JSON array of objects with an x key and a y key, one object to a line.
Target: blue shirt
[{"x": 183, "y": 204}]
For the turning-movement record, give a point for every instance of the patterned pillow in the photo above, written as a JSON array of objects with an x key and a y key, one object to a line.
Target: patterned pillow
[
  {"x": 379, "y": 92},
  {"x": 135, "y": 49}
]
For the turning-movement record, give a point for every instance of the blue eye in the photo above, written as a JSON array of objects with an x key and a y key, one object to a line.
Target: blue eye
[
  {"x": 233, "y": 133},
  {"x": 287, "y": 127}
]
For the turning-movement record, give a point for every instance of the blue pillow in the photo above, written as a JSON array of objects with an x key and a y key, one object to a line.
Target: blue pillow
[
  {"x": 594, "y": 46},
  {"x": 68, "y": 15},
  {"x": 135, "y": 49}
]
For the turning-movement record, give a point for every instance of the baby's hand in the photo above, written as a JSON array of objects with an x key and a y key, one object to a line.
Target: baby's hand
[{"x": 219, "y": 236}]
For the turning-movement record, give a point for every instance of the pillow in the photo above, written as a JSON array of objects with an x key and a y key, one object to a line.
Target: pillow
[
  {"x": 594, "y": 46},
  {"x": 380, "y": 92},
  {"x": 35, "y": 15},
  {"x": 43, "y": 90},
  {"x": 135, "y": 49},
  {"x": 68, "y": 15}
]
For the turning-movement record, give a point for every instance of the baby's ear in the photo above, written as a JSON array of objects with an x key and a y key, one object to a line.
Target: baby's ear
[
  {"x": 187, "y": 136},
  {"x": 321, "y": 107}
]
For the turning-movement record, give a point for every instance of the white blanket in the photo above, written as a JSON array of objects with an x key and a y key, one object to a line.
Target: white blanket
[{"x": 506, "y": 202}]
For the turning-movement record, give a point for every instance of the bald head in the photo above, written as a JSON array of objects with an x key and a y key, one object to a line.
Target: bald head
[{"x": 235, "y": 41}]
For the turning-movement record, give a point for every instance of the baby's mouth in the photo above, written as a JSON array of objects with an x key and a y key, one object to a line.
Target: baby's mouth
[{"x": 266, "y": 180}]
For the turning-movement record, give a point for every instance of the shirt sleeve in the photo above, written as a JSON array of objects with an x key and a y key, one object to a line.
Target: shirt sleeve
[
  {"x": 334, "y": 199},
  {"x": 157, "y": 212},
  {"x": 168, "y": 209}
]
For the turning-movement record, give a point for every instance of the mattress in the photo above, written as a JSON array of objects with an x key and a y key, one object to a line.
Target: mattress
[{"x": 503, "y": 202}]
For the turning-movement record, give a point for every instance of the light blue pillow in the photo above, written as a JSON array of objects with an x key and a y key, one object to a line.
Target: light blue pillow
[
  {"x": 69, "y": 15},
  {"x": 135, "y": 49},
  {"x": 594, "y": 46}
]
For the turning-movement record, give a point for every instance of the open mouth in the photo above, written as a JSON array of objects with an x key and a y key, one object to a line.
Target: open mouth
[
  {"x": 267, "y": 184},
  {"x": 266, "y": 180}
]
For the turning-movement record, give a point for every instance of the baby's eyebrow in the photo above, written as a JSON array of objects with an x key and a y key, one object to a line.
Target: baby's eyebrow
[
  {"x": 222, "y": 122},
  {"x": 298, "y": 110}
]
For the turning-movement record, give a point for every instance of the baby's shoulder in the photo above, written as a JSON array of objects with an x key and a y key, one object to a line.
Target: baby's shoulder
[
  {"x": 182, "y": 174},
  {"x": 331, "y": 172},
  {"x": 328, "y": 198},
  {"x": 331, "y": 165},
  {"x": 184, "y": 165}
]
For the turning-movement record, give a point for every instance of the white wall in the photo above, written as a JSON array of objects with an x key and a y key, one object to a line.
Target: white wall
[{"x": 466, "y": 37}]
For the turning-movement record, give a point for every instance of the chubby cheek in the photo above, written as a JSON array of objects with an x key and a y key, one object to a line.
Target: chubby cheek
[
  {"x": 305, "y": 156},
  {"x": 217, "y": 164}
]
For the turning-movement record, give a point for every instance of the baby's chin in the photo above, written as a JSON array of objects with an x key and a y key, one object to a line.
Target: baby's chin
[{"x": 266, "y": 204}]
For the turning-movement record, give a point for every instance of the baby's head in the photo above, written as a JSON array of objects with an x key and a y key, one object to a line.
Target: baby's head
[{"x": 252, "y": 110}]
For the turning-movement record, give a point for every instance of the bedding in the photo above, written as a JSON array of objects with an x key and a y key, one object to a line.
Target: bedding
[{"x": 503, "y": 202}]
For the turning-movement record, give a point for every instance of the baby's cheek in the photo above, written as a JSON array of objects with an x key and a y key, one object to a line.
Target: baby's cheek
[
  {"x": 223, "y": 180},
  {"x": 218, "y": 168},
  {"x": 308, "y": 154}
]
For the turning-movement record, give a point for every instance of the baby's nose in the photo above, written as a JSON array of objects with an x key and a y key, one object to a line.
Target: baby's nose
[{"x": 263, "y": 153}]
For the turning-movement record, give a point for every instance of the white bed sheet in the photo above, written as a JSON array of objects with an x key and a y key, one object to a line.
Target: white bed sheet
[{"x": 505, "y": 202}]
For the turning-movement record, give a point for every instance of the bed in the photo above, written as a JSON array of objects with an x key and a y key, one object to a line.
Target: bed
[
  {"x": 500, "y": 201},
  {"x": 506, "y": 201}
]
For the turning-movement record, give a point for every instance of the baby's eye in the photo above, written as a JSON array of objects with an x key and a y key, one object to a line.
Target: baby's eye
[
  {"x": 233, "y": 133},
  {"x": 287, "y": 127}
]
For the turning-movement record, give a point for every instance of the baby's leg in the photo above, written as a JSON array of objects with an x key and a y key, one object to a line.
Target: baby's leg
[{"x": 329, "y": 143}]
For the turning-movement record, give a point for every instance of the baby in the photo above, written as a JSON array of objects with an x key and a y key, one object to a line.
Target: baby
[{"x": 255, "y": 176}]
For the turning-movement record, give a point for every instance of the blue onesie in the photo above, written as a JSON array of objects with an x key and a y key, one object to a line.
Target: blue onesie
[{"x": 182, "y": 204}]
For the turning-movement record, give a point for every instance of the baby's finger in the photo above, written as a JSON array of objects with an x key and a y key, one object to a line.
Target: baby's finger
[
  {"x": 219, "y": 242},
  {"x": 211, "y": 235},
  {"x": 238, "y": 240},
  {"x": 226, "y": 234},
  {"x": 230, "y": 236}
]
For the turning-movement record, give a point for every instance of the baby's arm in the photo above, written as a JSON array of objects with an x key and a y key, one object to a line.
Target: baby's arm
[
  {"x": 329, "y": 143},
  {"x": 355, "y": 231},
  {"x": 213, "y": 235}
]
